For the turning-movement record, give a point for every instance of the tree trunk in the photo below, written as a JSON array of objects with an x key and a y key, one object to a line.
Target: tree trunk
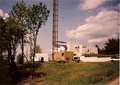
[
  {"x": 22, "y": 47},
  {"x": 13, "y": 70},
  {"x": 35, "y": 39},
  {"x": 34, "y": 50},
  {"x": 34, "y": 53},
  {"x": 1, "y": 68}
]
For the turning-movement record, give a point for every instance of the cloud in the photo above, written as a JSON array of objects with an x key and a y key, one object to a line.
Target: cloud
[
  {"x": 90, "y": 4},
  {"x": 97, "y": 29},
  {"x": 4, "y": 15},
  {"x": 1, "y": 13},
  {"x": 117, "y": 7}
]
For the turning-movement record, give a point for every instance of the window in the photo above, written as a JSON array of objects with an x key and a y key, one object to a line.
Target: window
[
  {"x": 62, "y": 54},
  {"x": 88, "y": 50}
]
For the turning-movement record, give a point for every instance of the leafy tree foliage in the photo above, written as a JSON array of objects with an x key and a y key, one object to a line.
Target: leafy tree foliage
[
  {"x": 98, "y": 48},
  {"x": 10, "y": 38},
  {"x": 37, "y": 15},
  {"x": 19, "y": 12},
  {"x": 2, "y": 35},
  {"x": 112, "y": 46},
  {"x": 23, "y": 20},
  {"x": 19, "y": 59},
  {"x": 2, "y": 48},
  {"x": 31, "y": 18},
  {"x": 102, "y": 51}
]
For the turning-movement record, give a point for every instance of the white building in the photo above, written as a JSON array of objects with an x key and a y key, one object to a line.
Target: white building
[
  {"x": 78, "y": 49},
  {"x": 46, "y": 56},
  {"x": 94, "y": 59}
]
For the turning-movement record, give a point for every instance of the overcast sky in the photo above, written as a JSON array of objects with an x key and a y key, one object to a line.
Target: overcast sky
[{"x": 90, "y": 22}]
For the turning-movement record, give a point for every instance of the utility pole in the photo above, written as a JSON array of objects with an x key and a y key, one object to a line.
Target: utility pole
[
  {"x": 117, "y": 34},
  {"x": 75, "y": 37}
]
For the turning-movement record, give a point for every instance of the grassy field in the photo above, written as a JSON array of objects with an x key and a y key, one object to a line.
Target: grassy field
[{"x": 83, "y": 73}]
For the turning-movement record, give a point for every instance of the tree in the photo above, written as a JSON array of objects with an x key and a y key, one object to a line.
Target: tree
[
  {"x": 37, "y": 16},
  {"x": 19, "y": 59},
  {"x": 19, "y": 13},
  {"x": 14, "y": 33},
  {"x": 112, "y": 46},
  {"x": 23, "y": 20},
  {"x": 102, "y": 51},
  {"x": 37, "y": 50},
  {"x": 10, "y": 37},
  {"x": 98, "y": 48},
  {"x": 2, "y": 48},
  {"x": 31, "y": 18},
  {"x": 2, "y": 30}
]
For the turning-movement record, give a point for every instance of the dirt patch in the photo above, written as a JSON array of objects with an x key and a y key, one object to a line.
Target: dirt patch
[
  {"x": 114, "y": 82},
  {"x": 34, "y": 78}
]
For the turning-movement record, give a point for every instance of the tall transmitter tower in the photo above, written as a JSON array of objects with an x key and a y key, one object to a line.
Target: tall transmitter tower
[{"x": 55, "y": 27}]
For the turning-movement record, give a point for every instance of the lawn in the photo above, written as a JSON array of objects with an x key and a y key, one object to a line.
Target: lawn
[{"x": 72, "y": 73}]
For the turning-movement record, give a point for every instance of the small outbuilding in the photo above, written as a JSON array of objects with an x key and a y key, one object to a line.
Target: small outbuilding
[
  {"x": 44, "y": 56},
  {"x": 64, "y": 56}
]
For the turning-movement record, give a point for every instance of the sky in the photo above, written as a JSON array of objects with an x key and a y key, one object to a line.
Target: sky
[{"x": 87, "y": 22}]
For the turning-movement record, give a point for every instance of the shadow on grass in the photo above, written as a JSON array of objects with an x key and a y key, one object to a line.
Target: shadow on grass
[
  {"x": 25, "y": 73},
  {"x": 28, "y": 73}
]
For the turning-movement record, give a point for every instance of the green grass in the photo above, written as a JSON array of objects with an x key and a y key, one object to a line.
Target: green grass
[{"x": 82, "y": 73}]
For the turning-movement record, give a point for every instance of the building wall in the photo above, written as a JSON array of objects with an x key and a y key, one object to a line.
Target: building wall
[
  {"x": 76, "y": 48},
  {"x": 62, "y": 56},
  {"x": 79, "y": 49},
  {"x": 89, "y": 50},
  {"x": 39, "y": 55},
  {"x": 94, "y": 59}
]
